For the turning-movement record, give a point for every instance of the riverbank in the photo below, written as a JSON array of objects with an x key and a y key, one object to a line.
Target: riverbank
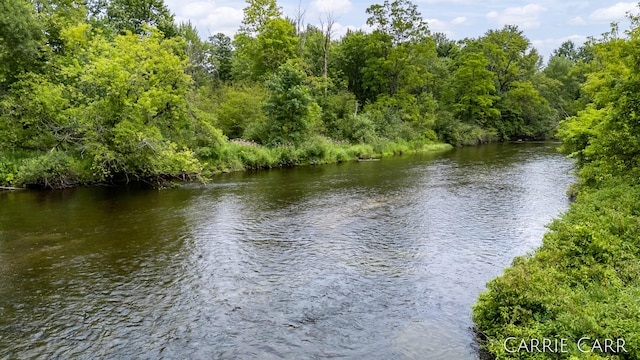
[
  {"x": 577, "y": 296},
  {"x": 57, "y": 169},
  {"x": 582, "y": 286},
  {"x": 583, "y": 282}
]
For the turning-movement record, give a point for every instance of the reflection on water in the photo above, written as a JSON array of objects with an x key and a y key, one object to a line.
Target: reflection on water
[{"x": 370, "y": 260}]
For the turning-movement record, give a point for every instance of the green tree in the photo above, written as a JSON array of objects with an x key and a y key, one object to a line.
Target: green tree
[
  {"x": 605, "y": 137},
  {"x": 290, "y": 109},
  {"x": 511, "y": 56},
  {"x": 351, "y": 60},
  {"x": 257, "y": 14},
  {"x": 399, "y": 19},
  {"x": 475, "y": 89},
  {"x": 118, "y": 105},
  {"x": 275, "y": 45},
  {"x": 222, "y": 53},
  {"x": 526, "y": 113},
  {"x": 240, "y": 113},
  {"x": 21, "y": 41},
  {"x": 134, "y": 15},
  {"x": 264, "y": 42},
  {"x": 565, "y": 95},
  {"x": 202, "y": 67},
  {"x": 398, "y": 49}
]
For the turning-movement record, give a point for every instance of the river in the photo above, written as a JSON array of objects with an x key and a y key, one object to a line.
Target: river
[{"x": 360, "y": 260}]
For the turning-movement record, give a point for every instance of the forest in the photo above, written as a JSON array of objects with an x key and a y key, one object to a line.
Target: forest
[{"x": 115, "y": 91}]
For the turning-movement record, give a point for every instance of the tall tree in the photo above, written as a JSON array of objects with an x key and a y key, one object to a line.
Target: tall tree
[
  {"x": 511, "y": 56},
  {"x": 398, "y": 48},
  {"x": 133, "y": 15},
  {"x": 399, "y": 19},
  {"x": 263, "y": 36},
  {"x": 222, "y": 52},
  {"x": 290, "y": 108},
  {"x": 201, "y": 63},
  {"x": 475, "y": 87},
  {"x": 275, "y": 45},
  {"x": 256, "y": 15},
  {"x": 21, "y": 41}
]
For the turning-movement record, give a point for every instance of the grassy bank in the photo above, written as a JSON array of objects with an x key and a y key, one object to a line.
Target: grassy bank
[
  {"x": 56, "y": 169},
  {"x": 583, "y": 282}
]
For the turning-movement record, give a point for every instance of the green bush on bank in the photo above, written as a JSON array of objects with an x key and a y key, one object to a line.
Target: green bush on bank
[
  {"x": 583, "y": 282},
  {"x": 59, "y": 169},
  {"x": 242, "y": 155}
]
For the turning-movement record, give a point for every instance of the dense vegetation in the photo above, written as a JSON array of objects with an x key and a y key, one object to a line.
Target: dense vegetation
[
  {"x": 114, "y": 90},
  {"x": 584, "y": 281}
]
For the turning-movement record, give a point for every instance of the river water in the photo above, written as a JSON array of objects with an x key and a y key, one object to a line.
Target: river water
[{"x": 369, "y": 260}]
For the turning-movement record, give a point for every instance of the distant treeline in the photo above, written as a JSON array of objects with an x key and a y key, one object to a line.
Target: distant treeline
[{"x": 103, "y": 91}]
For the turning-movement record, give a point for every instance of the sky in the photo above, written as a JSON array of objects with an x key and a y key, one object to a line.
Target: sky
[{"x": 546, "y": 23}]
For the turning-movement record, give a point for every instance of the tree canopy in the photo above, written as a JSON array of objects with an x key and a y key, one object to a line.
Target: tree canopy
[{"x": 114, "y": 89}]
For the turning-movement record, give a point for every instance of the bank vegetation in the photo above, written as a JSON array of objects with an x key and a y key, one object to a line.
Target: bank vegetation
[
  {"x": 584, "y": 281},
  {"x": 105, "y": 92}
]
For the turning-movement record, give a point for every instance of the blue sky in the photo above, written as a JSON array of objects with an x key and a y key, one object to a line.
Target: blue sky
[{"x": 546, "y": 23}]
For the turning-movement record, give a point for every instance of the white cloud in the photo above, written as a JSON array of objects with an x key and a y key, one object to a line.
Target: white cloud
[
  {"x": 525, "y": 17},
  {"x": 459, "y": 20},
  {"x": 332, "y": 6},
  {"x": 615, "y": 12},
  {"x": 439, "y": 26},
  {"x": 209, "y": 18},
  {"x": 340, "y": 30},
  {"x": 578, "y": 20},
  {"x": 436, "y": 25}
]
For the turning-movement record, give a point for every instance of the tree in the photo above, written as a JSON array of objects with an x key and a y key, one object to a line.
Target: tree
[
  {"x": 239, "y": 113},
  {"x": 510, "y": 56},
  {"x": 605, "y": 137},
  {"x": 201, "y": 60},
  {"x": 21, "y": 41},
  {"x": 397, "y": 49},
  {"x": 475, "y": 87},
  {"x": 257, "y": 14},
  {"x": 222, "y": 53},
  {"x": 327, "y": 28},
  {"x": 264, "y": 42},
  {"x": 565, "y": 94},
  {"x": 275, "y": 45},
  {"x": 134, "y": 15},
  {"x": 290, "y": 109},
  {"x": 122, "y": 106},
  {"x": 351, "y": 61},
  {"x": 525, "y": 112},
  {"x": 313, "y": 50},
  {"x": 399, "y": 19}
]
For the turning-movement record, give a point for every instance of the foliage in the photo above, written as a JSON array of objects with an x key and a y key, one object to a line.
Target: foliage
[
  {"x": 134, "y": 15},
  {"x": 475, "y": 87},
  {"x": 114, "y": 90},
  {"x": 21, "y": 41},
  {"x": 239, "y": 113},
  {"x": 583, "y": 280},
  {"x": 290, "y": 109},
  {"x": 221, "y": 52}
]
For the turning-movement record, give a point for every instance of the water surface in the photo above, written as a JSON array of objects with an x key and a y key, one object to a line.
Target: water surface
[{"x": 374, "y": 260}]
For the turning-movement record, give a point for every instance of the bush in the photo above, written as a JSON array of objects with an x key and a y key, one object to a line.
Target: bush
[
  {"x": 54, "y": 169},
  {"x": 584, "y": 281}
]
